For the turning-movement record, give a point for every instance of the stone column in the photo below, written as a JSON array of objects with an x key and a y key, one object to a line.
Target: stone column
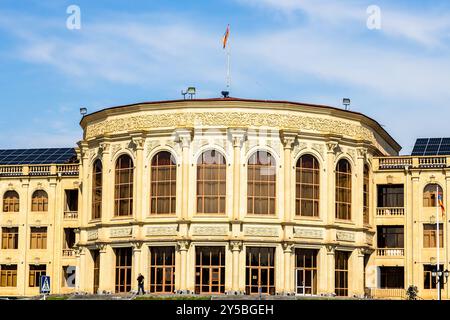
[
  {"x": 80, "y": 279},
  {"x": 357, "y": 272},
  {"x": 184, "y": 138},
  {"x": 288, "y": 142},
  {"x": 236, "y": 247},
  {"x": 237, "y": 136},
  {"x": 138, "y": 143},
  {"x": 331, "y": 249},
  {"x": 411, "y": 242},
  {"x": 288, "y": 271},
  {"x": 332, "y": 146},
  {"x": 359, "y": 203},
  {"x": 84, "y": 177},
  {"x": 107, "y": 171},
  {"x": 183, "y": 247},
  {"x": 106, "y": 279},
  {"x": 137, "y": 246}
]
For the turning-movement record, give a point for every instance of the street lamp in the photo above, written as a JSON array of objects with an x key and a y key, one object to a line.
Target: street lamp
[{"x": 440, "y": 277}]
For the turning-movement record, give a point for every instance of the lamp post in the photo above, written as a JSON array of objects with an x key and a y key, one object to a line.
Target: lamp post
[{"x": 441, "y": 277}]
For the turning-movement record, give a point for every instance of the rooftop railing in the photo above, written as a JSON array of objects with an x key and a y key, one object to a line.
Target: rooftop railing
[
  {"x": 411, "y": 162},
  {"x": 39, "y": 170}
]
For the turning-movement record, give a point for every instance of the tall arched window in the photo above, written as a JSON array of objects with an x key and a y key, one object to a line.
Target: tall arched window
[
  {"x": 261, "y": 183},
  {"x": 97, "y": 184},
  {"x": 11, "y": 201},
  {"x": 211, "y": 182},
  {"x": 163, "y": 183},
  {"x": 343, "y": 190},
  {"x": 430, "y": 195},
  {"x": 307, "y": 186},
  {"x": 123, "y": 193},
  {"x": 366, "y": 187},
  {"x": 39, "y": 201}
]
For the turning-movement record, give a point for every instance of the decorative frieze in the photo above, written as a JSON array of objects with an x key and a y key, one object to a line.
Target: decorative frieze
[
  {"x": 210, "y": 230},
  {"x": 308, "y": 233},
  {"x": 121, "y": 232},
  {"x": 92, "y": 235},
  {"x": 345, "y": 236},
  {"x": 261, "y": 231},
  {"x": 154, "y": 231}
]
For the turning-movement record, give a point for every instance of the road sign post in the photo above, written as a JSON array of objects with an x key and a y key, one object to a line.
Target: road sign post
[{"x": 44, "y": 285}]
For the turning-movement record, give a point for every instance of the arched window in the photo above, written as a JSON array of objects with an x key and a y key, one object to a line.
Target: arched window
[
  {"x": 39, "y": 201},
  {"x": 123, "y": 191},
  {"x": 97, "y": 184},
  {"x": 11, "y": 201},
  {"x": 211, "y": 182},
  {"x": 366, "y": 184},
  {"x": 343, "y": 190},
  {"x": 307, "y": 186},
  {"x": 163, "y": 183},
  {"x": 261, "y": 183},
  {"x": 430, "y": 195}
]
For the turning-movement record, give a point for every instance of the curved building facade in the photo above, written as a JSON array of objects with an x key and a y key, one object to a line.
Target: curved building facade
[{"x": 228, "y": 196}]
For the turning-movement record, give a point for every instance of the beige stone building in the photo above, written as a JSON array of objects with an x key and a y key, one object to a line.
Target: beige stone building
[{"x": 224, "y": 196}]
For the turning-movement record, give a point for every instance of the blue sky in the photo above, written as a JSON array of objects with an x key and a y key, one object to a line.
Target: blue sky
[{"x": 316, "y": 51}]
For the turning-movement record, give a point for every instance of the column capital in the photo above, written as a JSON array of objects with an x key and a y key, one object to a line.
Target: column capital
[
  {"x": 183, "y": 136},
  {"x": 238, "y": 136},
  {"x": 361, "y": 152},
  {"x": 104, "y": 147},
  {"x": 288, "y": 246},
  {"x": 137, "y": 143},
  {"x": 332, "y": 146},
  {"x": 137, "y": 245},
  {"x": 83, "y": 148},
  {"x": 288, "y": 138},
  {"x": 183, "y": 245},
  {"x": 331, "y": 248},
  {"x": 101, "y": 247},
  {"x": 236, "y": 245}
]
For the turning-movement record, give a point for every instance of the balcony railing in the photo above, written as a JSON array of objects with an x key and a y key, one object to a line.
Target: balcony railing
[
  {"x": 388, "y": 293},
  {"x": 390, "y": 252},
  {"x": 430, "y": 162},
  {"x": 68, "y": 252},
  {"x": 39, "y": 170},
  {"x": 390, "y": 212},
  {"x": 70, "y": 215}
]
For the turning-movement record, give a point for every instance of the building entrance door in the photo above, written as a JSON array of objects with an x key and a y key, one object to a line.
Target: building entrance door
[{"x": 306, "y": 271}]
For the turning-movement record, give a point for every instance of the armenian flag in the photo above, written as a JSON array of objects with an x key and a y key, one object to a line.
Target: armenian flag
[
  {"x": 225, "y": 36},
  {"x": 441, "y": 203}
]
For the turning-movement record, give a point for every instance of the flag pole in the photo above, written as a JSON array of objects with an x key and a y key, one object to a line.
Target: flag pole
[
  {"x": 228, "y": 66},
  {"x": 437, "y": 242}
]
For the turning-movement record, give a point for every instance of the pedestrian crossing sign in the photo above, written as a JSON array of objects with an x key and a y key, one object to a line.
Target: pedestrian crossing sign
[{"x": 45, "y": 284}]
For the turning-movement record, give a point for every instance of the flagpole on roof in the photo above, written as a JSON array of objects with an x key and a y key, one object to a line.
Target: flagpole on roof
[{"x": 228, "y": 53}]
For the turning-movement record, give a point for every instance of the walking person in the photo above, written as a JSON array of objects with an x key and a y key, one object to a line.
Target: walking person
[{"x": 140, "y": 280}]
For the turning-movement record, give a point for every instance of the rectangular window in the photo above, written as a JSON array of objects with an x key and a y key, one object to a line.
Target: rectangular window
[
  {"x": 68, "y": 280},
  {"x": 10, "y": 238},
  {"x": 8, "y": 275},
  {"x": 390, "y": 237},
  {"x": 96, "y": 259},
  {"x": 36, "y": 271},
  {"x": 260, "y": 275},
  {"x": 429, "y": 236},
  {"x": 391, "y": 196},
  {"x": 38, "y": 238},
  {"x": 162, "y": 269},
  {"x": 306, "y": 271},
  {"x": 341, "y": 273},
  {"x": 209, "y": 270},
  {"x": 430, "y": 282},
  {"x": 392, "y": 278},
  {"x": 123, "y": 269},
  {"x": 71, "y": 205}
]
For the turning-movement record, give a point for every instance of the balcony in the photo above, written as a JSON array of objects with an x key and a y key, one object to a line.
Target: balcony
[
  {"x": 378, "y": 293},
  {"x": 70, "y": 215},
  {"x": 390, "y": 252},
  {"x": 413, "y": 162},
  {"x": 390, "y": 212},
  {"x": 39, "y": 170},
  {"x": 68, "y": 253}
]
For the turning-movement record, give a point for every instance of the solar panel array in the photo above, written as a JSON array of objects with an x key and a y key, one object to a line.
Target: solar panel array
[
  {"x": 37, "y": 156},
  {"x": 431, "y": 147}
]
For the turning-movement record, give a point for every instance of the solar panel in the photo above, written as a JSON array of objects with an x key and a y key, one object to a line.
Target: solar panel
[
  {"x": 37, "y": 156},
  {"x": 431, "y": 147}
]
